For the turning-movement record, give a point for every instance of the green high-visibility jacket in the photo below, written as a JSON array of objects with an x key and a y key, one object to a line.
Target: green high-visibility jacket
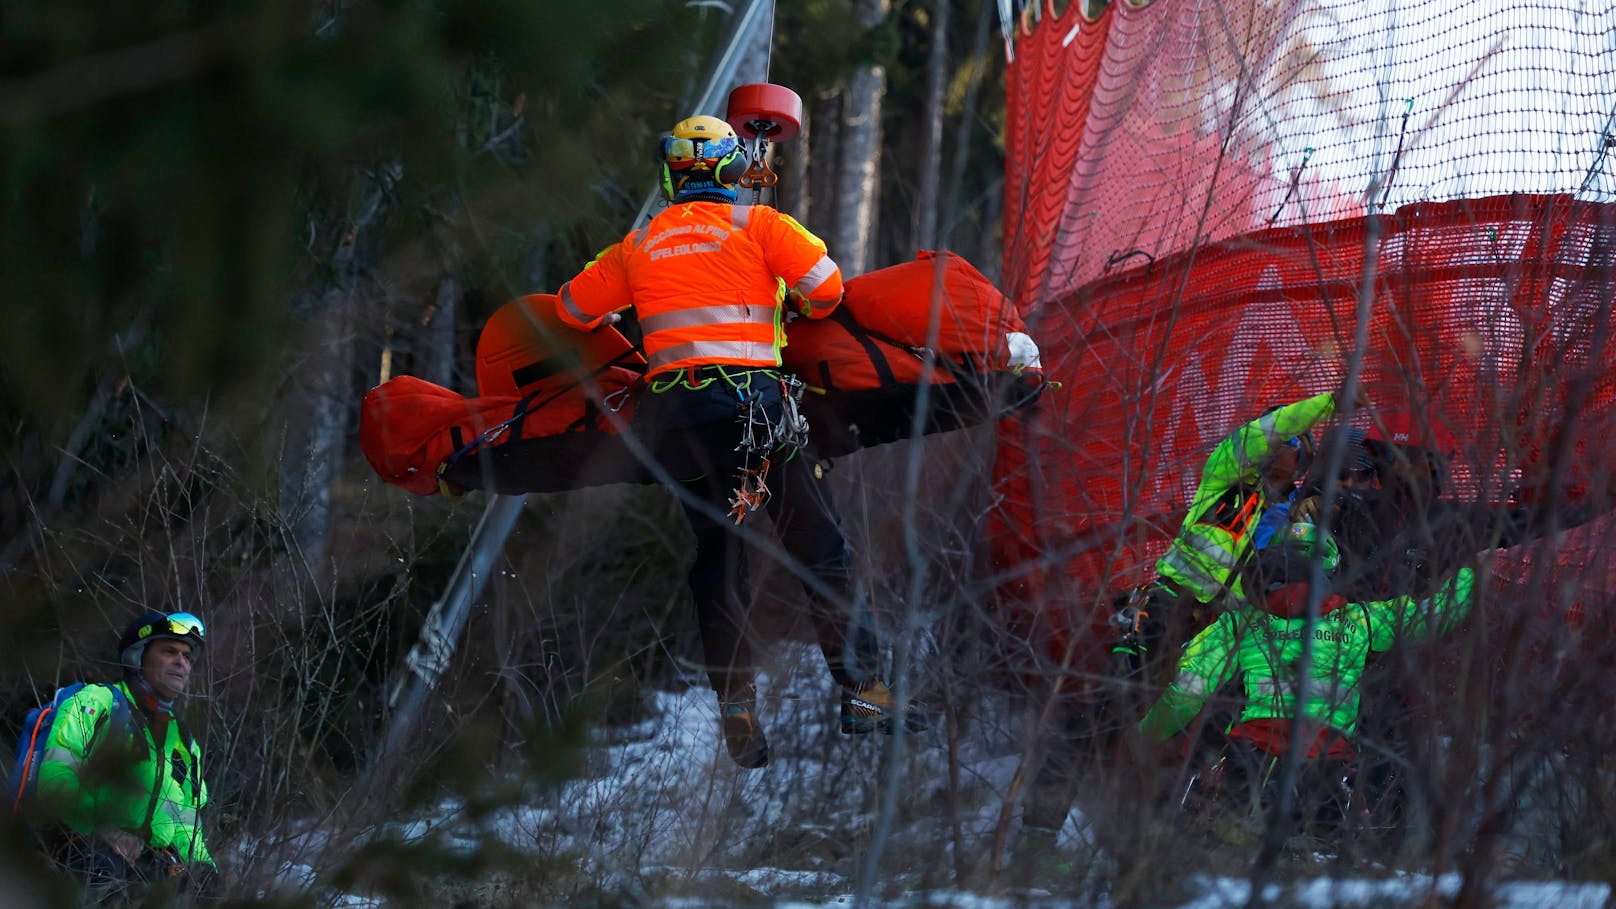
[
  {"x": 1216, "y": 535},
  {"x": 1266, "y": 650},
  {"x": 94, "y": 775}
]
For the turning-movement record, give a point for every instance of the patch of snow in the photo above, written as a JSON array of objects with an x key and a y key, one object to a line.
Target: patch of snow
[{"x": 660, "y": 801}]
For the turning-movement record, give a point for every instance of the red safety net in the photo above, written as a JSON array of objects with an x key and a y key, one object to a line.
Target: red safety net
[
  {"x": 1196, "y": 192},
  {"x": 1157, "y": 127}
]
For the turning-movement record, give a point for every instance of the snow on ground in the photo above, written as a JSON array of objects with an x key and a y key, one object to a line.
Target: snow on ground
[
  {"x": 661, "y": 817},
  {"x": 1403, "y": 890}
]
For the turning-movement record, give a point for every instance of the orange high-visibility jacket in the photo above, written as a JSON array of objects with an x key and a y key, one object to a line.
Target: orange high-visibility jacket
[{"x": 706, "y": 281}]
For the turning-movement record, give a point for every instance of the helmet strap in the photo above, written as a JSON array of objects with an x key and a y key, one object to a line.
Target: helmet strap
[{"x": 710, "y": 195}]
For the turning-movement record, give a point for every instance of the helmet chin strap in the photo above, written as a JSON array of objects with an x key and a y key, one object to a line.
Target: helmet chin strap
[
  {"x": 713, "y": 191},
  {"x": 713, "y": 196}
]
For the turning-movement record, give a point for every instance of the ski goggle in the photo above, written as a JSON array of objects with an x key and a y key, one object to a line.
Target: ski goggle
[
  {"x": 683, "y": 153},
  {"x": 182, "y": 624}
]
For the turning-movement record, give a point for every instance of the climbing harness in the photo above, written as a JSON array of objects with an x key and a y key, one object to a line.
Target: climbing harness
[
  {"x": 753, "y": 491},
  {"x": 761, "y": 437}
]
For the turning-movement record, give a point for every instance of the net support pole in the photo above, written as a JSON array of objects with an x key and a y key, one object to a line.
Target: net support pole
[{"x": 447, "y": 618}]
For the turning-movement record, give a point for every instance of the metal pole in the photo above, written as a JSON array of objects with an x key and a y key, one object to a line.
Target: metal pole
[{"x": 447, "y": 618}]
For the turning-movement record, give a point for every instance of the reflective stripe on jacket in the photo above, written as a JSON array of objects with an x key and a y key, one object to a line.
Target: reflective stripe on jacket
[
  {"x": 1266, "y": 651},
  {"x": 707, "y": 281},
  {"x": 95, "y": 776},
  {"x": 1216, "y": 534}
]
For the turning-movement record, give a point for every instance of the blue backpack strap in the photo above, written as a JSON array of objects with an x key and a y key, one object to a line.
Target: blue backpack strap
[
  {"x": 120, "y": 706},
  {"x": 32, "y": 743}
]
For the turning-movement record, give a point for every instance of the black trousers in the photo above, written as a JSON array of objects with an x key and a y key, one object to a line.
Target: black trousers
[{"x": 694, "y": 434}]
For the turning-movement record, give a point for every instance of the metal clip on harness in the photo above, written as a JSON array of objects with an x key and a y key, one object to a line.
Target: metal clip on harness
[{"x": 760, "y": 438}]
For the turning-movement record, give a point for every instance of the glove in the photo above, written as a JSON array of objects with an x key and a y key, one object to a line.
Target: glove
[{"x": 796, "y": 303}]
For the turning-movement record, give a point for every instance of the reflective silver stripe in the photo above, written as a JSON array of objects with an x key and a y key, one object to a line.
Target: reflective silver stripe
[
  {"x": 64, "y": 757},
  {"x": 1269, "y": 427},
  {"x": 740, "y": 216},
  {"x": 1192, "y": 575},
  {"x": 816, "y": 276},
  {"x": 637, "y": 239},
  {"x": 743, "y": 352},
  {"x": 1332, "y": 694},
  {"x": 1194, "y": 569},
  {"x": 1316, "y": 690},
  {"x": 695, "y": 316},
  {"x": 571, "y": 306},
  {"x": 182, "y": 815},
  {"x": 1192, "y": 684},
  {"x": 1269, "y": 688},
  {"x": 1212, "y": 549}
]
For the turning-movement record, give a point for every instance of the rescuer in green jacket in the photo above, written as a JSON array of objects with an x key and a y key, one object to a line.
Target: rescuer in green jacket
[
  {"x": 1263, "y": 641},
  {"x": 1256, "y": 465},
  {"x": 121, "y": 804},
  {"x": 1253, "y": 467}
]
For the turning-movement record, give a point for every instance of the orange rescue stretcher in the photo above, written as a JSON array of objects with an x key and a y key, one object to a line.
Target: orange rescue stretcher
[{"x": 552, "y": 402}]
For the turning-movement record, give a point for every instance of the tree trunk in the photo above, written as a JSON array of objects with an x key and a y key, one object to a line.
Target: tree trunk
[
  {"x": 536, "y": 261},
  {"x": 435, "y": 343},
  {"x": 318, "y": 410},
  {"x": 931, "y": 146},
  {"x": 792, "y": 161},
  {"x": 319, "y": 400},
  {"x": 825, "y": 157},
  {"x": 989, "y": 256},
  {"x": 857, "y": 179}
]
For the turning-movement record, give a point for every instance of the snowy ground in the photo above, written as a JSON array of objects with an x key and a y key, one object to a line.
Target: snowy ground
[{"x": 661, "y": 817}]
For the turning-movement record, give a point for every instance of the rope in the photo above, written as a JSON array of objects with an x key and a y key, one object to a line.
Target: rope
[
  {"x": 768, "y": 50},
  {"x": 526, "y": 406}
]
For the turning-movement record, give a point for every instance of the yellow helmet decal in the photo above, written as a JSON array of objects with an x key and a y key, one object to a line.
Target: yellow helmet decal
[{"x": 702, "y": 127}]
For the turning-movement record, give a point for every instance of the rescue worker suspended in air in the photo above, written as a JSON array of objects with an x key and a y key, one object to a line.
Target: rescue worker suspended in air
[{"x": 709, "y": 282}]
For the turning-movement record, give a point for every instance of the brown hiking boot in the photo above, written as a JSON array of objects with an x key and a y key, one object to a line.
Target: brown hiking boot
[{"x": 873, "y": 706}]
